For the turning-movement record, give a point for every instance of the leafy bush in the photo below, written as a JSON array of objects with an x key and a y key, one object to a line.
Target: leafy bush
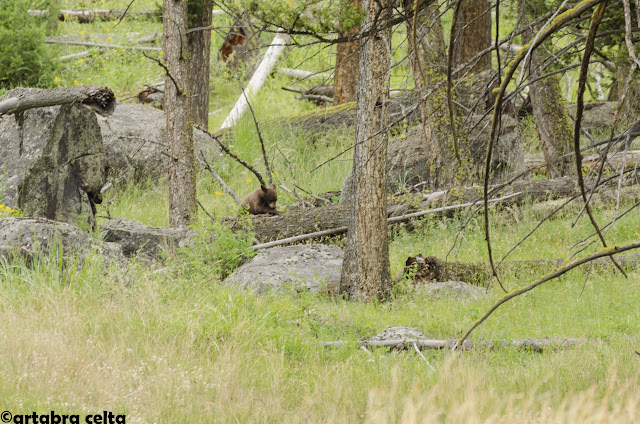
[
  {"x": 216, "y": 250},
  {"x": 24, "y": 58}
]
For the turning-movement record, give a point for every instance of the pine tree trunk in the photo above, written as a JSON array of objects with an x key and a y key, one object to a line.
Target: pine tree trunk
[
  {"x": 199, "y": 56},
  {"x": 182, "y": 183},
  {"x": 551, "y": 119},
  {"x": 345, "y": 79},
  {"x": 365, "y": 271},
  {"x": 473, "y": 35},
  {"x": 631, "y": 102}
]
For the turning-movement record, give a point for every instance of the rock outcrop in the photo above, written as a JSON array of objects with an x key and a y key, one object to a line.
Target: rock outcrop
[
  {"x": 53, "y": 161},
  {"x": 134, "y": 139}
]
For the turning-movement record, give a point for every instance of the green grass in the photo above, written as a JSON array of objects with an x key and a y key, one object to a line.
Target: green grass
[{"x": 172, "y": 346}]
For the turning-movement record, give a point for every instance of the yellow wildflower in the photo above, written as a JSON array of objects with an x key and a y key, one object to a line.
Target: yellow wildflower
[
  {"x": 248, "y": 180},
  {"x": 109, "y": 38},
  {"x": 80, "y": 61},
  {"x": 75, "y": 82},
  {"x": 57, "y": 80},
  {"x": 218, "y": 193}
]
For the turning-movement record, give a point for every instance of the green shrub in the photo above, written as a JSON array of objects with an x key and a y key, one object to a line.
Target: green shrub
[
  {"x": 24, "y": 58},
  {"x": 216, "y": 250}
]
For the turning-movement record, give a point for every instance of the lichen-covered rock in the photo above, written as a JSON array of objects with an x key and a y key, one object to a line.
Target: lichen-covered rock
[
  {"x": 134, "y": 139},
  {"x": 29, "y": 237},
  {"x": 137, "y": 239},
  {"x": 309, "y": 267},
  {"x": 53, "y": 161}
]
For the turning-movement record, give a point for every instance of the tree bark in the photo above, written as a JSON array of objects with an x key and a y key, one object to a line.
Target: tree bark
[
  {"x": 199, "y": 43},
  {"x": 473, "y": 35},
  {"x": 365, "y": 271},
  {"x": 550, "y": 117},
  {"x": 345, "y": 79},
  {"x": 182, "y": 176}
]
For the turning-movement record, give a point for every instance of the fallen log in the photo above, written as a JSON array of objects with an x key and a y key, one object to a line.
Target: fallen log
[
  {"x": 102, "y": 46},
  {"x": 344, "y": 229},
  {"x": 605, "y": 198},
  {"x": 344, "y": 115},
  {"x": 533, "y": 345},
  {"x": 85, "y": 16},
  {"x": 74, "y": 56},
  {"x": 99, "y": 99},
  {"x": 298, "y": 222},
  {"x": 428, "y": 269},
  {"x": 614, "y": 162},
  {"x": 302, "y": 74}
]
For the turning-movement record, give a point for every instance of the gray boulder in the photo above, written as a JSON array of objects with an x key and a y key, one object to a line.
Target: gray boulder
[
  {"x": 137, "y": 239},
  {"x": 456, "y": 289},
  {"x": 408, "y": 158},
  {"x": 54, "y": 162},
  {"x": 596, "y": 116},
  {"x": 309, "y": 267},
  {"x": 29, "y": 237},
  {"x": 134, "y": 139}
]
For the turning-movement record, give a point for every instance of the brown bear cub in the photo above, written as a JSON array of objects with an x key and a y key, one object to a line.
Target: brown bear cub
[{"x": 262, "y": 200}]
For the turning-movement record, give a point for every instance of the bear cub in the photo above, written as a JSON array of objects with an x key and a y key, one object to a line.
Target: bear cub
[{"x": 262, "y": 200}]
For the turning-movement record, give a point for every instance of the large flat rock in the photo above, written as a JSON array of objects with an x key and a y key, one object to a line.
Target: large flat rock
[{"x": 309, "y": 267}]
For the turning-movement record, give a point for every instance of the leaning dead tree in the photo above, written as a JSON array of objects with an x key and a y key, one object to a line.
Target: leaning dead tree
[{"x": 100, "y": 99}]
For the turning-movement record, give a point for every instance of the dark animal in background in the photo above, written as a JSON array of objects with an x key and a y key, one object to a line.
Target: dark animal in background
[{"x": 262, "y": 200}]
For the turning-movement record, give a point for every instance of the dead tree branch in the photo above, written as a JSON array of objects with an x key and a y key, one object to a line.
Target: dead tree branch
[{"x": 99, "y": 99}]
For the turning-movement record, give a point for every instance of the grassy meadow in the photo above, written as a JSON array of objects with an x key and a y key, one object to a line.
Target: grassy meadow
[{"x": 168, "y": 343}]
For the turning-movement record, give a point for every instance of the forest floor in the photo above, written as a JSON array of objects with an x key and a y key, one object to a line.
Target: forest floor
[{"x": 170, "y": 343}]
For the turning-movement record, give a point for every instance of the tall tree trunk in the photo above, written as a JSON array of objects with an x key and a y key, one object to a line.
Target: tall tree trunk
[
  {"x": 199, "y": 55},
  {"x": 365, "y": 270},
  {"x": 631, "y": 102},
  {"x": 428, "y": 64},
  {"x": 551, "y": 119},
  {"x": 473, "y": 34},
  {"x": 177, "y": 99},
  {"x": 345, "y": 79}
]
